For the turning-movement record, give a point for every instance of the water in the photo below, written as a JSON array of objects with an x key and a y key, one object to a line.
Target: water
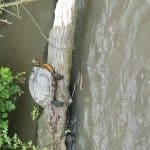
[
  {"x": 113, "y": 103},
  {"x": 22, "y": 42},
  {"x": 112, "y": 55}
]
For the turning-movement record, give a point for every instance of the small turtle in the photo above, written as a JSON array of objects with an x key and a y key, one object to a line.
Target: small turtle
[{"x": 43, "y": 84}]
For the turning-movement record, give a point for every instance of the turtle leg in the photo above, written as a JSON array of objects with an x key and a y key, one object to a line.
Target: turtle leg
[
  {"x": 55, "y": 101},
  {"x": 57, "y": 76}
]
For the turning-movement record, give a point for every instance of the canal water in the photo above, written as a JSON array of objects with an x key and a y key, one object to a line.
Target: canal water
[
  {"x": 112, "y": 99},
  {"x": 22, "y": 41}
]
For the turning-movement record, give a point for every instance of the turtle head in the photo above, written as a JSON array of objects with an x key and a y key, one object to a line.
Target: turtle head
[{"x": 36, "y": 62}]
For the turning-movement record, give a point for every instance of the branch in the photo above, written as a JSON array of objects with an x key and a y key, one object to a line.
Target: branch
[
  {"x": 16, "y": 3},
  {"x": 39, "y": 28},
  {"x": 5, "y": 21},
  {"x": 1, "y": 36},
  {"x": 10, "y": 13}
]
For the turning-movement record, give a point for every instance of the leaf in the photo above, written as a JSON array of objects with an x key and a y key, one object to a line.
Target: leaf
[
  {"x": 2, "y": 109},
  {"x": 7, "y": 95},
  {"x": 6, "y": 74},
  {"x": 4, "y": 115},
  {"x": 30, "y": 143},
  {"x": 24, "y": 148},
  {"x": 3, "y": 124},
  {"x": 4, "y": 70},
  {"x": 67, "y": 131},
  {"x": 15, "y": 89},
  {"x": 12, "y": 106},
  {"x": 15, "y": 136}
]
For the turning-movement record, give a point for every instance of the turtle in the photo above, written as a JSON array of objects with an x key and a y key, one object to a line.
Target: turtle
[{"x": 43, "y": 84}]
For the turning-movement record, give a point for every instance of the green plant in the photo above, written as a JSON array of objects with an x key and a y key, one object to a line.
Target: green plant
[
  {"x": 35, "y": 113},
  {"x": 9, "y": 92},
  {"x": 67, "y": 131},
  {"x": 18, "y": 144}
]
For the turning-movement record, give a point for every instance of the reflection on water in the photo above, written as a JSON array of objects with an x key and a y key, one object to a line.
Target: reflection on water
[
  {"x": 113, "y": 109},
  {"x": 21, "y": 43}
]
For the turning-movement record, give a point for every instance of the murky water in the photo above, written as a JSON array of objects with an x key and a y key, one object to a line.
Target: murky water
[
  {"x": 21, "y": 43},
  {"x": 113, "y": 103}
]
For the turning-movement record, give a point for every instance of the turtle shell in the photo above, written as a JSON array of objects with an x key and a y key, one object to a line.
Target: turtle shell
[{"x": 41, "y": 86}]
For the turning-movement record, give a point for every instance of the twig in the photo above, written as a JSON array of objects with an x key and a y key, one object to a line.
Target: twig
[
  {"x": 10, "y": 13},
  {"x": 17, "y": 9},
  {"x": 1, "y": 36},
  {"x": 5, "y": 21},
  {"x": 81, "y": 82},
  {"x": 15, "y": 3},
  {"x": 35, "y": 23},
  {"x": 77, "y": 81},
  {"x": 74, "y": 88}
]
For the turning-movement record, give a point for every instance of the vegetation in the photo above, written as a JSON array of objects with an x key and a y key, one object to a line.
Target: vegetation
[
  {"x": 9, "y": 92},
  {"x": 35, "y": 113},
  {"x": 67, "y": 131}
]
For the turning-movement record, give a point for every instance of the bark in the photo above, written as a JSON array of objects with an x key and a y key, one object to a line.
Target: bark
[{"x": 51, "y": 125}]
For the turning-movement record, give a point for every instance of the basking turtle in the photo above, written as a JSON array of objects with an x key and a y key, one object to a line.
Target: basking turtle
[{"x": 43, "y": 84}]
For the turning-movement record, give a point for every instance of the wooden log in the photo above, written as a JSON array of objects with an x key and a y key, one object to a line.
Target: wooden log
[{"x": 51, "y": 125}]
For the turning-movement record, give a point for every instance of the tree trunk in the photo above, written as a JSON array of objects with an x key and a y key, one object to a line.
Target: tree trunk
[{"x": 51, "y": 124}]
